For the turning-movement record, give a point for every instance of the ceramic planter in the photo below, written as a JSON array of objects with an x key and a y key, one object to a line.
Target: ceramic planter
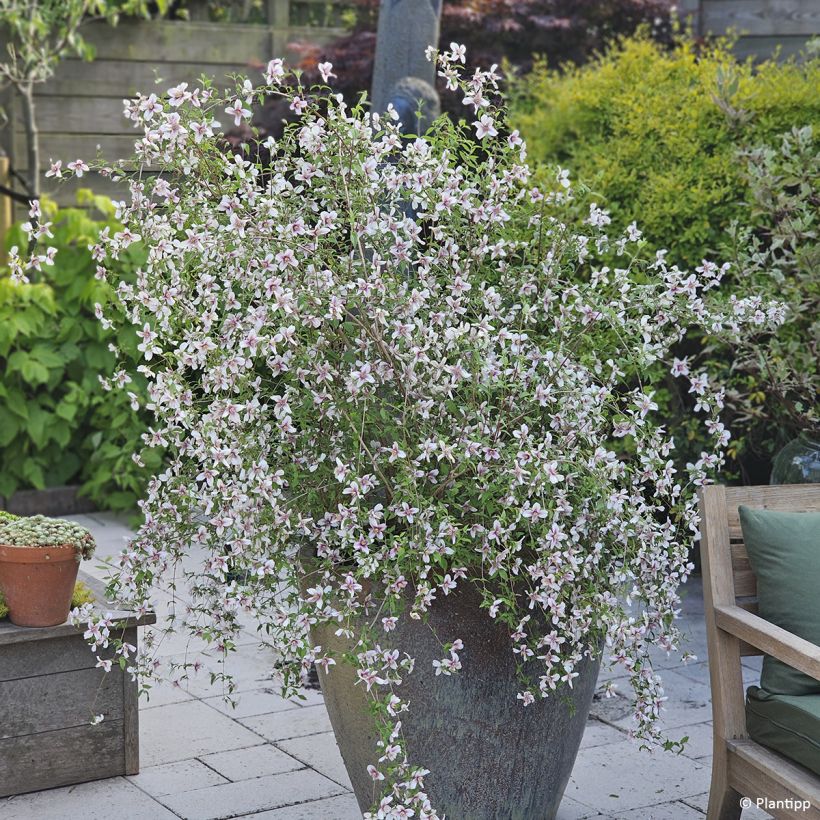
[
  {"x": 489, "y": 757},
  {"x": 37, "y": 583}
]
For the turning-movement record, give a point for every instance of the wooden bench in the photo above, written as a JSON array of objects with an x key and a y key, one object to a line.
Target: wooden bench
[
  {"x": 741, "y": 767},
  {"x": 50, "y": 687}
]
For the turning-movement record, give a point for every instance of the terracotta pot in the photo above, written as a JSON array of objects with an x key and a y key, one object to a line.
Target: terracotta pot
[
  {"x": 37, "y": 583},
  {"x": 489, "y": 757}
]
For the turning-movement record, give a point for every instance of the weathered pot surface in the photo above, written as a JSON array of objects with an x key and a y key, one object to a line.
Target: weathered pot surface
[
  {"x": 490, "y": 758},
  {"x": 37, "y": 583}
]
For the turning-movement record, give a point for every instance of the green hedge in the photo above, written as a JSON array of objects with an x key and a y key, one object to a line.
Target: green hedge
[
  {"x": 57, "y": 424},
  {"x": 670, "y": 139},
  {"x": 655, "y": 132}
]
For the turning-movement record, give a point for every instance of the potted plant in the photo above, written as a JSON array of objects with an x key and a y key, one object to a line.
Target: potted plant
[
  {"x": 409, "y": 398},
  {"x": 39, "y": 560}
]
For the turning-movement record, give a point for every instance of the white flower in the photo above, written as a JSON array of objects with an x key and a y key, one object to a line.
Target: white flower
[
  {"x": 485, "y": 127},
  {"x": 326, "y": 71},
  {"x": 237, "y": 111},
  {"x": 78, "y": 167}
]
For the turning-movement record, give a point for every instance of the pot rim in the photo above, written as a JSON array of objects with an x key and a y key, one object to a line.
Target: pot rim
[{"x": 13, "y": 554}]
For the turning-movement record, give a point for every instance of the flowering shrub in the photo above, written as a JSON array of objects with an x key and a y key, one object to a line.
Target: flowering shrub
[
  {"x": 774, "y": 382},
  {"x": 383, "y": 368}
]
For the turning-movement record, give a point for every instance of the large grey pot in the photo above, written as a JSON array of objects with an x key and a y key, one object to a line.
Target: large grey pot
[{"x": 489, "y": 757}]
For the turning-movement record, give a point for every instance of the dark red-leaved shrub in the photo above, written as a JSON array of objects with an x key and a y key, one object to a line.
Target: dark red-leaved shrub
[{"x": 495, "y": 30}]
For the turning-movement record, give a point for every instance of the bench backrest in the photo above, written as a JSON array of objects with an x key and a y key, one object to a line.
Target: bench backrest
[{"x": 722, "y": 536}]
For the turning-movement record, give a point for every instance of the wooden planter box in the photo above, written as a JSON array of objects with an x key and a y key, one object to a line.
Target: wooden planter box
[{"x": 50, "y": 688}]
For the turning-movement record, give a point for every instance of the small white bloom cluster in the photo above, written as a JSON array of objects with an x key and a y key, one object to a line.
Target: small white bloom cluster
[{"x": 384, "y": 368}]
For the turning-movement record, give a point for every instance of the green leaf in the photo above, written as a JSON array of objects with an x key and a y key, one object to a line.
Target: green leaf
[
  {"x": 66, "y": 409},
  {"x": 34, "y": 372},
  {"x": 16, "y": 402},
  {"x": 8, "y": 484},
  {"x": 36, "y": 426},
  {"x": 33, "y": 472},
  {"x": 47, "y": 355},
  {"x": 9, "y": 426}
]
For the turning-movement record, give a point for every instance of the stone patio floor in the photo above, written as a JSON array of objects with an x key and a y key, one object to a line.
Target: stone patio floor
[{"x": 278, "y": 760}]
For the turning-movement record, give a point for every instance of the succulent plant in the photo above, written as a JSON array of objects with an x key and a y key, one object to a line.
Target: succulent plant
[
  {"x": 7, "y": 516},
  {"x": 39, "y": 531}
]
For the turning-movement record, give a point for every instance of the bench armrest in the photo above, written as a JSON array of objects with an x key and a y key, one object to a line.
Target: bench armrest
[{"x": 773, "y": 640}]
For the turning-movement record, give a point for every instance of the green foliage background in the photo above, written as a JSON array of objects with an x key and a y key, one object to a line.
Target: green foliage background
[
  {"x": 670, "y": 138},
  {"x": 57, "y": 424},
  {"x": 654, "y": 132}
]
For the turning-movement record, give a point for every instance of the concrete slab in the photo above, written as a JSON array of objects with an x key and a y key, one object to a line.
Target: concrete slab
[
  {"x": 172, "y": 778},
  {"x": 344, "y": 807},
  {"x": 321, "y": 753},
  {"x": 248, "y": 796},
  {"x": 249, "y": 704},
  {"x": 619, "y": 777},
  {"x": 310, "y": 720},
  {"x": 573, "y": 810},
  {"x": 255, "y": 761},
  {"x": 100, "y": 800},
  {"x": 182, "y": 731},
  {"x": 665, "y": 811}
]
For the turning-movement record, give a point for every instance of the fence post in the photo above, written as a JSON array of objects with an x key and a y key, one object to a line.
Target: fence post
[
  {"x": 6, "y": 213},
  {"x": 278, "y": 24}
]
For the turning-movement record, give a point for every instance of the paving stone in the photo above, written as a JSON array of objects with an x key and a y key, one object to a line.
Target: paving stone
[
  {"x": 701, "y": 801},
  {"x": 665, "y": 811},
  {"x": 255, "y": 761},
  {"x": 170, "y": 778},
  {"x": 321, "y": 753},
  {"x": 699, "y": 745},
  {"x": 262, "y": 793},
  {"x": 700, "y": 672},
  {"x": 688, "y": 702},
  {"x": 162, "y": 693},
  {"x": 249, "y": 704},
  {"x": 598, "y": 734},
  {"x": 251, "y": 669},
  {"x": 309, "y": 697},
  {"x": 619, "y": 777},
  {"x": 344, "y": 807},
  {"x": 186, "y": 730},
  {"x": 100, "y": 800},
  {"x": 573, "y": 810},
  {"x": 294, "y": 723}
]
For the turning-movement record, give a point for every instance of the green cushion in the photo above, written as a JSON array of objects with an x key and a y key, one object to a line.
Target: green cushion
[
  {"x": 784, "y": 551},
  {"x": 789, "y": 724}
]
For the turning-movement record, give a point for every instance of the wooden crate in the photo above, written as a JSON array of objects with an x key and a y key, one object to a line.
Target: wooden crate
[{"x": 50, "y": 688}]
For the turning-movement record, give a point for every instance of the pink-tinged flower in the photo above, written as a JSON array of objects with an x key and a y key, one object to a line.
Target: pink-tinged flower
[
  {"x": 326, "y": 70},
  {"x": 680, "y": 367},
  {"x": 298, "y": 104},
  {"x": 551, "y": 469},
  {"x": 78, "y": 167},
  {"x": 56, "y": 169},
  {"x": 458, "y": 53},
  {"x": 238, "y": 112},
  {"x": 275, "y": 71},
  {"x": 374, "y": 773},
  {"x": 485, "y": 127},
  {"x": 178, "y": 95}
]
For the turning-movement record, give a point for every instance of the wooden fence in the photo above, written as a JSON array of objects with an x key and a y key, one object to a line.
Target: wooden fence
[
  {"x": 80, "y": 111},
  {"x": 763, "y": 25}
]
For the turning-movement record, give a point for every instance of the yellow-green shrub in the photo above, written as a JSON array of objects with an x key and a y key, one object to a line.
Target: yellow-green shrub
[{"x": 655, "y": 133}]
